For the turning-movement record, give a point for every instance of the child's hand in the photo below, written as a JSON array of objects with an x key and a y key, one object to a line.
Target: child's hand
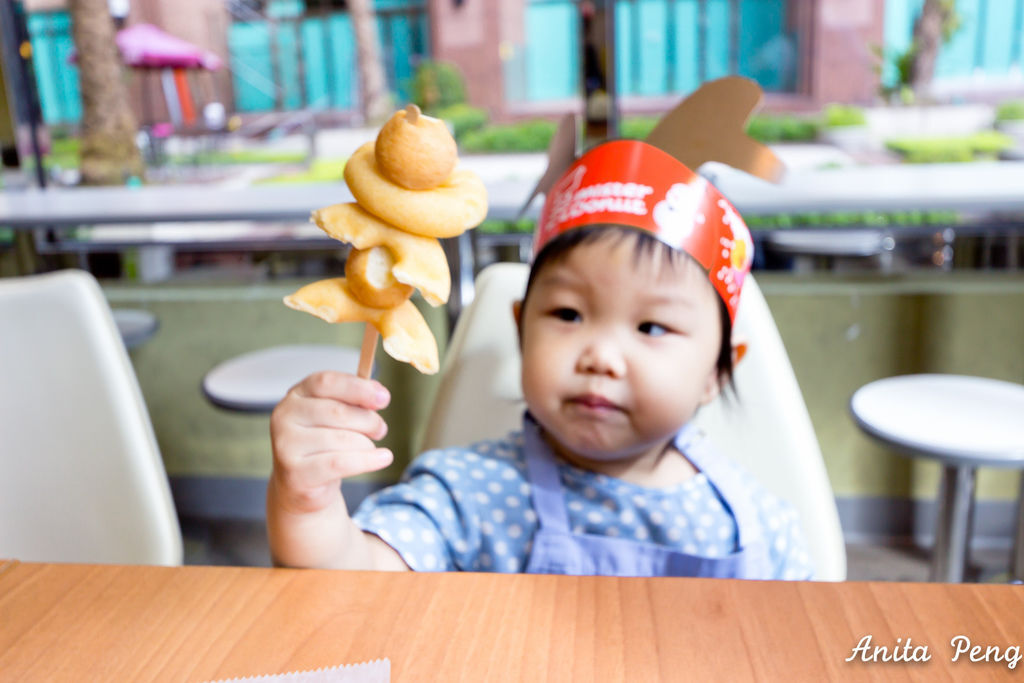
[{"x": 323, "y": 431}]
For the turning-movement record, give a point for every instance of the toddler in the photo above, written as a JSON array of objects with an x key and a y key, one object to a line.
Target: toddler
[{"x": 625, "y": 332}]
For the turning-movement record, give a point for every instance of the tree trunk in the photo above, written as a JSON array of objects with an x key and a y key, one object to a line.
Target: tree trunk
[
  {"x": 929, "y": 35},
  {"x": 373, "y": 89},
  {"x": 109, "y": 155}
]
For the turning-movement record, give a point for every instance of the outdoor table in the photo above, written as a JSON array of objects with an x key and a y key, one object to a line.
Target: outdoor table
[
  {"x": 256, "y": 382},
  {"x": 977, "y": 187},
  {"x": 962, "y": 423},
  {"x": 107, "y": 622}
]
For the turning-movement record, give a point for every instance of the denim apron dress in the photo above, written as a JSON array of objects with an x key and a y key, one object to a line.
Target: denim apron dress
[{"x": 558, "y": 550}]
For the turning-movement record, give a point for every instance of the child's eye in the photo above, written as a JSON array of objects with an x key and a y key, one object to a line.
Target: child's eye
[
  {"x": 569, "y": 315},
  {"x": 652, "y": 329}
]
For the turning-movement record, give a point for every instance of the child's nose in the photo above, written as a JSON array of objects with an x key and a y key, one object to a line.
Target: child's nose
[{"x": 601, "y": 356}]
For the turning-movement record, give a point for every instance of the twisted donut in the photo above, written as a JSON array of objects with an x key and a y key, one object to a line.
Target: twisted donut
[
  {"x": 448, "y": 210},
  {"x": 405, "y": 334},
  {"x": 419, "y": 261},
  {"x": 368, "y": 272}
]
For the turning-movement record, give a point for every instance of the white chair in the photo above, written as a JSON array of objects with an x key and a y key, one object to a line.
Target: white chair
[
  {"x": 81, "y": 478},
  {"x": 767, "y": 430}
]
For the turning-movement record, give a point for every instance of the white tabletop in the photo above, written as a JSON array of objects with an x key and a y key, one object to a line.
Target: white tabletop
[
  {"x": 203, "y": 203},
  {"x": 257, "y": 381},
  {"x": 953, "y": 418},
  {"x": 983, "y": 186}
]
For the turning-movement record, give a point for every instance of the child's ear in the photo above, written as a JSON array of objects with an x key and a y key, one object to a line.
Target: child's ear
[{"x": 739, "y": 350}]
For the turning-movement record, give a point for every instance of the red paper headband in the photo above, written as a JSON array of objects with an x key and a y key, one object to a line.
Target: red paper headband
[{"x": 632, "y": 183}]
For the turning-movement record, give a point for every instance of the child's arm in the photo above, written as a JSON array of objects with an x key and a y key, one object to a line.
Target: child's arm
[{"x": 322, "y": 432}]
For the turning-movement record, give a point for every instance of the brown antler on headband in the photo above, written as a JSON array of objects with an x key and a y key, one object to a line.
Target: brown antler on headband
[{"x": 710, "y": 125}]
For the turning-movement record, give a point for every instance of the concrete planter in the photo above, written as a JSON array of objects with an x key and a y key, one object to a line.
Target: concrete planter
[
  {"x": 849, "y": 138},
  {"x": 1015, "y": 129},
  {"x": 926, "y": 121}
]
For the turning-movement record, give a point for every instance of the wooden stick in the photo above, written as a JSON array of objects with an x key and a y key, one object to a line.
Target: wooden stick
[
  {"x": 412, "y": 113},
  {"x": 366, "y": 353}
]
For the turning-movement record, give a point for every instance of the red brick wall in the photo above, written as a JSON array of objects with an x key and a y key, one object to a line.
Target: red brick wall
[
  {"x": 837, "y": 40},
  {"x": 840, "y": 59},
  {"x": 471, "y": 36}
]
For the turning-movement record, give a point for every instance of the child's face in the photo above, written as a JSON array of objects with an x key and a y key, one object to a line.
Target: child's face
[{"x": 618, "y": 352}]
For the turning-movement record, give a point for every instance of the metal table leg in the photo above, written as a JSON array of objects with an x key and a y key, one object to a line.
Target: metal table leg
[
  {"x": 952, "y": 530},
  {"x": 1017, "y": 562}
]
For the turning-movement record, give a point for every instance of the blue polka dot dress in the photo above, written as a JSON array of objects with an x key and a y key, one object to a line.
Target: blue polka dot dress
[{"x": 470, "y": 509}]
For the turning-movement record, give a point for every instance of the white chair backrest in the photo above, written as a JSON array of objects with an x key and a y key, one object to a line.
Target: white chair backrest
[
  {"x": 767, "y": 430},
  {"x": 81, "y": 478}
]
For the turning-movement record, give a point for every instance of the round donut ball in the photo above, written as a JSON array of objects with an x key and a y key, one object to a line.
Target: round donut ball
[
  {"x": 368, "y": 273},
  {"x": 448, "y": 210},
  {"x": 415, "y": 151}
]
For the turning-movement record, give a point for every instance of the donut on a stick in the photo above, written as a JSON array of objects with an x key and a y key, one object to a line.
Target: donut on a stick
[
  {"x": 408, "y": 194},
  {"x": 406, "y": 336},
  {"x": 419, "y": 261},
  {"x": 448, "y": 210}
]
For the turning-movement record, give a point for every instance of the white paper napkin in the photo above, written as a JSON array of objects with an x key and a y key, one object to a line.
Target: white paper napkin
[{"x": 377, "y": 671}]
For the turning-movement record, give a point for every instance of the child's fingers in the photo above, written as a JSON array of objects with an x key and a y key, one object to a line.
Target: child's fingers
[
  {"x": 340, "y": 386},
  {"x": 330, "y": 467},
  {"x": 293, "y": 444},
  {"x": 332, "y": 414}
]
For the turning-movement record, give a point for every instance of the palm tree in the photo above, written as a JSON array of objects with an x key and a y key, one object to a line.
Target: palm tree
[
  {"x": 373, "y": 88},
  {"x": 935, "y": 25},
  {"x": 108, "y": 152}
]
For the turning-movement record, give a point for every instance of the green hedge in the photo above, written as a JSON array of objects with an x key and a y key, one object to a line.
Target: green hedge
[
  {"x": 524, "y": 136},
  {"x": 492, "y": 226},
  {"x": 320, "y": 171},
  {"x": 437, "y": 85},
  {"x": 834, "y": 219},
  {"x": 463, "y": 118},
  {"x": 851, "y": 219},
  {"x": 1011, "y": 110},
  {"x": 766, "y": 128},
  {"x": 637, "y": 127},
  {"x": 843, "y": 115},
  {"x": 783, "y": 128},
  {"x": 963, "y": 148}
]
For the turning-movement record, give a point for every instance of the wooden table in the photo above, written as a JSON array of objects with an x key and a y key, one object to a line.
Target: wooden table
[{"x": 116, "y": 623}]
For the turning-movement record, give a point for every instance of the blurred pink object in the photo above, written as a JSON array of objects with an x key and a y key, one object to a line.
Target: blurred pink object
[
  {"x": 162, "y": 130},
  {"x": 146, "y": 46}
]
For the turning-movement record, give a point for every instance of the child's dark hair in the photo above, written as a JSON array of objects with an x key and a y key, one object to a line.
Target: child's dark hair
[{"x": 645, "y": 244}]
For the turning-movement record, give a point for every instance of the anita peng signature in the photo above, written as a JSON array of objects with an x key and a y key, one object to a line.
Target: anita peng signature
[{"x": 962, "y": 649}]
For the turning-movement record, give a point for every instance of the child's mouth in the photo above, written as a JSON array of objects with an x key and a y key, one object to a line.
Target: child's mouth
[{"x": 593, "y": 402}]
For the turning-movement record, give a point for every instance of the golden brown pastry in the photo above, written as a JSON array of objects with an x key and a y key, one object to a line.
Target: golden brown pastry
[
  {"x": 419, "y": 261},
  {"x": 448, "y": 210},
  {"x": 408, "y": 194},
  {"x": 368, "y": 272},
  {"x": 406, "y": 336},
  {"x": 415, "y": 151}
]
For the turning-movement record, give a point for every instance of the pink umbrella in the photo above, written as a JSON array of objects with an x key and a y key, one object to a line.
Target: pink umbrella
[{"x": 145, "y": 45}]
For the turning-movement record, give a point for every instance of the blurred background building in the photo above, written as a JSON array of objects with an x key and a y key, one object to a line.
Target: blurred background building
[{"x": 523, "y": 57}]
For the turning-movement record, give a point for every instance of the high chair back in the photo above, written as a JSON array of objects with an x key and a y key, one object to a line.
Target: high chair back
[
  {"x": 767, "y": 429},
  {"x": 81, "y": 478}
]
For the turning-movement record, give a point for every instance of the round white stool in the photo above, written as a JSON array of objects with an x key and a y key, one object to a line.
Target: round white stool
[
  {"x": 255, "y": 382},
  {"x": 963, "y": 423},
  {"x": 135, "y": 325}
]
